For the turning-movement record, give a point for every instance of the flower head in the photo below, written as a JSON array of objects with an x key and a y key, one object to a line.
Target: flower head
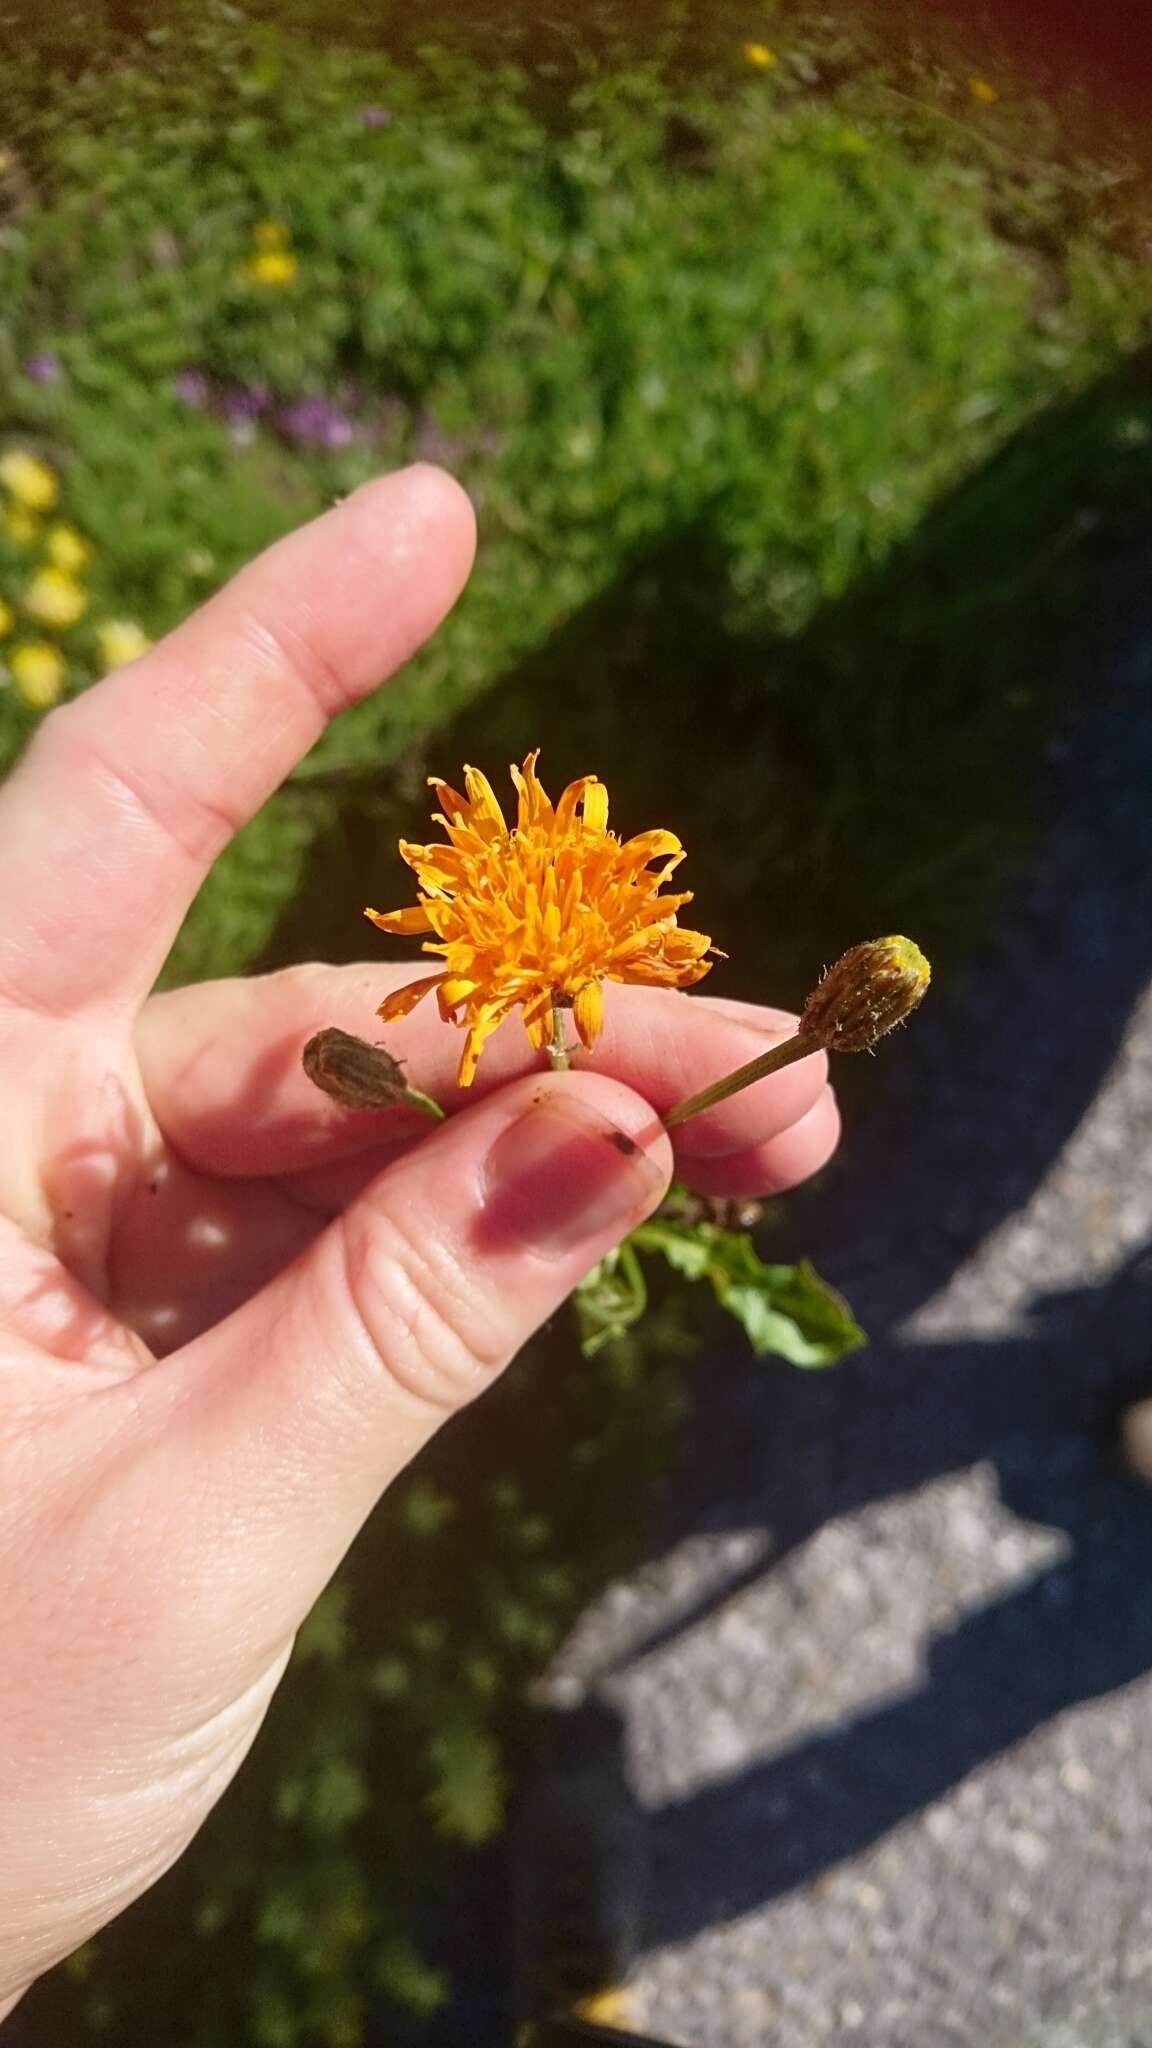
[
  {"x": 29, "y": 479},
  {"x": 537, "y": 915},
  {"x": 193, "y": 387},
  {"x": 68, "y": 549},
  {"x": 983, "y": 92},
  {"x": 317, "y": 423},
  {"x": 39, "y": 672},
  {"x": 120, "y": 641},
  {"x": 870, "y": 989},
  {"x": 54, "y": 598},
  {"x": 760, "y": 56},
  {"x": 275, "y": 267},
  {"x": 43, "y": 368}
]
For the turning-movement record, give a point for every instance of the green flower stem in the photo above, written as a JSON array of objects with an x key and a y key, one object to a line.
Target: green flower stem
[
  {"x": 558, "y": 1058},
  {"x": 415, "y": 1098},
  {"x": 797, "y": 1048}
]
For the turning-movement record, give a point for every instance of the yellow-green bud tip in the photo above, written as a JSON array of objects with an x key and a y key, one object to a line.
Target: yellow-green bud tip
[{"x": 870, "y": 989}]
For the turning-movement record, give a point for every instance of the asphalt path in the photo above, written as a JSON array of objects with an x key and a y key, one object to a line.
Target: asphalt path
[{"x": 886, "y": 1691}]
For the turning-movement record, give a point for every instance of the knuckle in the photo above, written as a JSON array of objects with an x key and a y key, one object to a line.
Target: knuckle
[{"x": 428, "y": 1324}]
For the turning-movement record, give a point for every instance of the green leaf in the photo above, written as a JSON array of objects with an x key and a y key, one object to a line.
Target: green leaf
[
  {"x": 686, "y": 1250},
  {"x": 788, "y": 1310},
  {"x": 611, "y": 1299}
]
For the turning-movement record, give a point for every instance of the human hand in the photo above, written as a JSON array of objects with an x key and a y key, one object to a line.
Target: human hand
[{"x": 231, "y": 1311}]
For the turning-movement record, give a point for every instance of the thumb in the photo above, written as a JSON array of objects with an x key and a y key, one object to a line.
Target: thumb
[{"x": 285, "y": 1422}]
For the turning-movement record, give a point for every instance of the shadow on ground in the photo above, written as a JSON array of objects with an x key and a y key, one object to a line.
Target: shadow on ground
[
  {"x": 1041, "y": 1410},
  {"x": 935, "y": 680},
  {"x": 994, "y": 1082}
]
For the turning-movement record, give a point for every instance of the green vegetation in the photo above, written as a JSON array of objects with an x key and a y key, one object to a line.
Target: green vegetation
[{"x": 802, "y": 405}]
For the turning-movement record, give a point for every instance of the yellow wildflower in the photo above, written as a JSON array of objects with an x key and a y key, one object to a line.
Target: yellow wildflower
[
  {"x": 39, "y": 672},
  {"x": 271, "y": 234},
  {"x": 7, "y": 619},
  {"x": 759, "y": 55},
  {"x": 21, "y": 526},
  {"x": 53, "y": 598},
  {"x": 982, "y": 92},
  {"x": 120, "y": 641},
  {"x": 68, "y": 549},
  {"x": 29, "y": 479},
  {"x": 273, "y": 266},
  {"x": 536, "y": 916}
]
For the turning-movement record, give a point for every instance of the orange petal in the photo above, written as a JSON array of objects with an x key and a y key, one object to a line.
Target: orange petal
[
  {"x": 595, "y": 807},
  {"x": 449, "y": 799},
  {"x": 649, "y": 846},
  {"x": 566, "y": 807},
  {"x": 404, "y": 999},
  {"x": 588, "y": 1010},
  {"x": 538, "y": 1020},
  {"x": 535, "y": 807},
  {"x": 454, "y": 990},
  {"x": 402, "y": 922},
  {"x": 483, "y": 1025},
  {"x": 482, "y": 797}
]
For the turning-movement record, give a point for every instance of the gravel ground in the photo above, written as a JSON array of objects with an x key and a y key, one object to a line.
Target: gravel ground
[{"x": 887, "y": 1690}]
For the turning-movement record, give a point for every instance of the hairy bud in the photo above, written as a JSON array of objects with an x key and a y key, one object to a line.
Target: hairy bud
[{"x": 871, "y": 988}]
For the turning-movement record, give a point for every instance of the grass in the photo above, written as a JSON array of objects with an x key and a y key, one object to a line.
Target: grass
[{"x": 807, "y": 415}]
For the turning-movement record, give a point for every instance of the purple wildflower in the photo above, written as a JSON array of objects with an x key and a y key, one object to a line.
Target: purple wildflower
[
  {"x": 193, "y": 387},
  {"x": 317, "y": 422},
  {"x": 245, "y": 402},
  {"x": 375, "y": 117},
  {"x": 43, "y": 368}
]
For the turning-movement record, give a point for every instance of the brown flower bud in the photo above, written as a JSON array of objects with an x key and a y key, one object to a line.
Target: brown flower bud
[
  {"x": 361, "y": 1076},
  {"x": 871, "y": 988}
]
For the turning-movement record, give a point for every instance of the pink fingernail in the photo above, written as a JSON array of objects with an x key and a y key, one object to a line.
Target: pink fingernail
[{"x": 563, "y": 1175}]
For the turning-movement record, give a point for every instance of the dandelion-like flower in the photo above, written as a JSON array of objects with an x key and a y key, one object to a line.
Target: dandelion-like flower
[
  {"x": 120, "y": 641},
  {"x": 68, "y": 549},
  {"x": 39, "y": 672},
  {"x": 538, "y": 915},
  {"x": 31, "y": 481},
  {"x": 275, "y": 262},
  {"x": 274, "y": 267},
  {"x": 53, "y": 598},
  {"x": 983, "y": 92},
  {"x": 759, "y": 56}
]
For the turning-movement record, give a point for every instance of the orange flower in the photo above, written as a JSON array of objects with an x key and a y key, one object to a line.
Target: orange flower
[{"x": 536, "y": 917}]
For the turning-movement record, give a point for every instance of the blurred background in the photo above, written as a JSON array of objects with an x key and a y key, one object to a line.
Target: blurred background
[{"x": 796, "y": 360}]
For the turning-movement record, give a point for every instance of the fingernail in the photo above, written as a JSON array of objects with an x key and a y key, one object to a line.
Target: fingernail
[{"x": 563, "y": 1176}]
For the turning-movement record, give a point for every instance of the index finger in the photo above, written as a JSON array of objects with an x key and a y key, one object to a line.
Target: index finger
[
  {"x": 221, "y": 1066},
  {"x": 127, "y": 795}
]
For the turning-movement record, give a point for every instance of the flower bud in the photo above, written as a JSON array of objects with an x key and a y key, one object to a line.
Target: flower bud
[
  {"x": 871, "y": 988},
  {"x": 361, "y": 1076}
]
